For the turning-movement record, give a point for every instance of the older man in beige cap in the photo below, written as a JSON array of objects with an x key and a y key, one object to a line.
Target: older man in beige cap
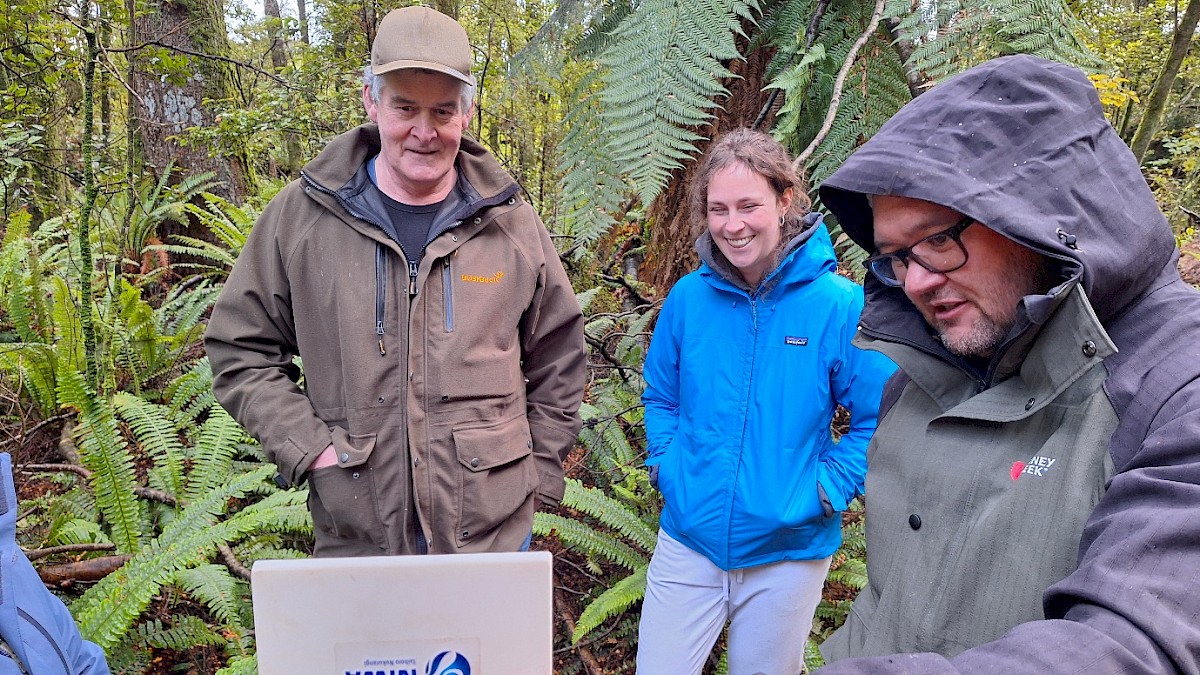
[{"x": 442, "y": 344}]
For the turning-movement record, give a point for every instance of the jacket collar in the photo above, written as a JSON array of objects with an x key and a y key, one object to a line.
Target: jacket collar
[{"x": 1071, "y": 343}]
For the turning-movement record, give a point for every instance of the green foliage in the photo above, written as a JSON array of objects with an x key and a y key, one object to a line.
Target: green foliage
[
  {"x": 620, "y": 529},
  {"x": 849, "y": 569},
  {"x": 109, "y": 608},
  {"x": 661, "y": 74},
  {"x": 105, "y": 453},
  {"x": 229, "y": 225}
]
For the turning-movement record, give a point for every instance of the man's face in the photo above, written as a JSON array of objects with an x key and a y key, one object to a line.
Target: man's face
[
  {"x": 421, "y": 121},
  {"x": 972, "y": 307}
]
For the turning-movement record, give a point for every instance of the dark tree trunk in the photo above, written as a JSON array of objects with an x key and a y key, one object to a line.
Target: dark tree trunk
[
  {"x": 275, "y": 32},
  {"x": 670, "y": 252},
  {"x": 302, "y": 17}
]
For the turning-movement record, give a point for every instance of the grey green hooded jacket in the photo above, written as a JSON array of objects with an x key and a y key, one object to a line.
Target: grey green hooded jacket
[
  {"x": 452, "y": 386},
  {"x": 1040, "y": 514}
]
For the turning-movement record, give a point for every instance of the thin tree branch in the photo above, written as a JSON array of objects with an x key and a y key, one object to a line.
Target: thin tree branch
[
  {"x": 235, "y": 566},
  {"x": 585, "y": 655},
  {"x": 838, "y": 84},
  {"x": 83, "y": 472},
  {"x": 36, "y": 428},
  {"x": 38, "y": 554},
  {"x": 202, "y": 55},
  {"x": 620, "y": 280}
]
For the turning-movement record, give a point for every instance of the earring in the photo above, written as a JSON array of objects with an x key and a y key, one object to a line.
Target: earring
[{"x": 781, "y": 221}]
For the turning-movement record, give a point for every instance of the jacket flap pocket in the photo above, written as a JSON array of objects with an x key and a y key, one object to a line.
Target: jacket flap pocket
[
  {"x": 352, "y": 449},
  {"x": 483, "y": 448}
]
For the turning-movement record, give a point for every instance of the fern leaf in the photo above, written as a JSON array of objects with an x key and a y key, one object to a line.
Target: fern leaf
[
  {"x": 105, "y": 453},
  {"x": 108, "y": 609},
  {"x": 213, "y": 452},
  {"x": 588, "y": 540},
  {"x": 217, "y": 589},
  {"x": 611, "y": 512},
  {"x": 612, "y": 602}
]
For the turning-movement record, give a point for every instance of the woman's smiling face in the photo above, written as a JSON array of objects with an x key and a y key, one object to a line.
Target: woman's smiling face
[{"x": 745, "y": 219}]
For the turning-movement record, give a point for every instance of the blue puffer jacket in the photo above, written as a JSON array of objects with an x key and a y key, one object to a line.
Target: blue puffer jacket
[
  {"x": 37, "y": 629},
  {"x": 741, "y": 387}
]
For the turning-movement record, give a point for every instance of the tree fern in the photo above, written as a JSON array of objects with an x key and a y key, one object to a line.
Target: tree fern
[
  {"x": 952, "y": 36},
  {"x": 662, "y": 73},
  {"x": 592, "y": 186}
]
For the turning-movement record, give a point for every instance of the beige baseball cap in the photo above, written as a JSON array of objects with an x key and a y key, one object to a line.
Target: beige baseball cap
[{"x": 420, "y": 37}]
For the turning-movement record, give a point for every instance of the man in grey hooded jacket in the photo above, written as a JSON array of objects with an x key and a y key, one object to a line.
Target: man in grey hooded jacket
[{"x": 1034, "y": 482}]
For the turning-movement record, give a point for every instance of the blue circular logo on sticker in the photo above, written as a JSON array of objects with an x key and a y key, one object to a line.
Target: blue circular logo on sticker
[{"x": 448, "y": 663}]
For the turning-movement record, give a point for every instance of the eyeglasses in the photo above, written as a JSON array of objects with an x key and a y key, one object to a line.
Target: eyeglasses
[{"x": 940, "y": 252}]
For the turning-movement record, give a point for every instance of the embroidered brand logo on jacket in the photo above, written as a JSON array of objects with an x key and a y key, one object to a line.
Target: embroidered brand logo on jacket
[
  {"x": 477, "y": 279},
  {"x": 1036, "y": 466},
  {"x": 793, "y": 340}
]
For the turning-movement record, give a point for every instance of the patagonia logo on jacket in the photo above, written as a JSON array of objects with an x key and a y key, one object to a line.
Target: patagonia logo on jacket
[
  {"x": 795, "y": 341},
  {"x": 1036, "y": 466},
  {"x": 478, "y": 279}
]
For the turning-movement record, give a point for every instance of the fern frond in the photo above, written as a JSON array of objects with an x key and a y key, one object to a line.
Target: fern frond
[
  {"x": 586, "y": 539},
  {"x": 611, "y": 513},
  {"x": 108, "y": 609},
  {"x": 662, "y": 73},
  {"x": 186, "y": 632},
  {"x": 154, "y": 430},
  {"x": 212, "y": 454},
  {"x": 217, "y": 589},
  {"x": 105, "y": 453},
  {"x": 612, "y": 602}
]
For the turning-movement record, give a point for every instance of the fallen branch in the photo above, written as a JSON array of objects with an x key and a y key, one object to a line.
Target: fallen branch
[
  {"x": 38, "y": 554},
  {"x": 585, "y": 655},
  {"x": 236, "y": 567},
  {"x": 146, "y": 492},
  {"x": 92, "y": 569}
]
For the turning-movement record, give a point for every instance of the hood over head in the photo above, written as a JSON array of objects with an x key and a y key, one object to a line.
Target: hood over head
[{"x": 1021, "y": 145}]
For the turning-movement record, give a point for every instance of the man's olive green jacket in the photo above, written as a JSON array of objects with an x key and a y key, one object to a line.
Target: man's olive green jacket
[{"x": 452, "y": 387}]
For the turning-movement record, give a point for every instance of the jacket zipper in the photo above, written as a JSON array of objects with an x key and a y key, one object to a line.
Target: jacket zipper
[
  {"x": 381, "y": 266},
  {"x": 448, "y": 293},
  {"x": 46, "y": 634}
]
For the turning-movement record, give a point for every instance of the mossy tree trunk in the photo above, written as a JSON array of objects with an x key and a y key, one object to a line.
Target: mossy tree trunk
[
  {"x": 172, "y": 102},
  {"x": 1156, "y": 104}
]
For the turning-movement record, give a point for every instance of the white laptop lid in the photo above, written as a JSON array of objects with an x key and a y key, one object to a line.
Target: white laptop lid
[{"x": 469, "y": 614}]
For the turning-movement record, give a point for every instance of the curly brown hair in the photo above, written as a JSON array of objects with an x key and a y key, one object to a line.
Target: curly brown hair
[{"x": 761, "y": 154}]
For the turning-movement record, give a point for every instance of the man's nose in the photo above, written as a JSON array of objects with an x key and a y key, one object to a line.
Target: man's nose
[
  {"x": 918, "y": 280},
  {"x": 423, "y": 128}
]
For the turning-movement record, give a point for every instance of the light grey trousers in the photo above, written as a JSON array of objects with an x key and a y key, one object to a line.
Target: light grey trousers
[{"x": 688, "y": 601}]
